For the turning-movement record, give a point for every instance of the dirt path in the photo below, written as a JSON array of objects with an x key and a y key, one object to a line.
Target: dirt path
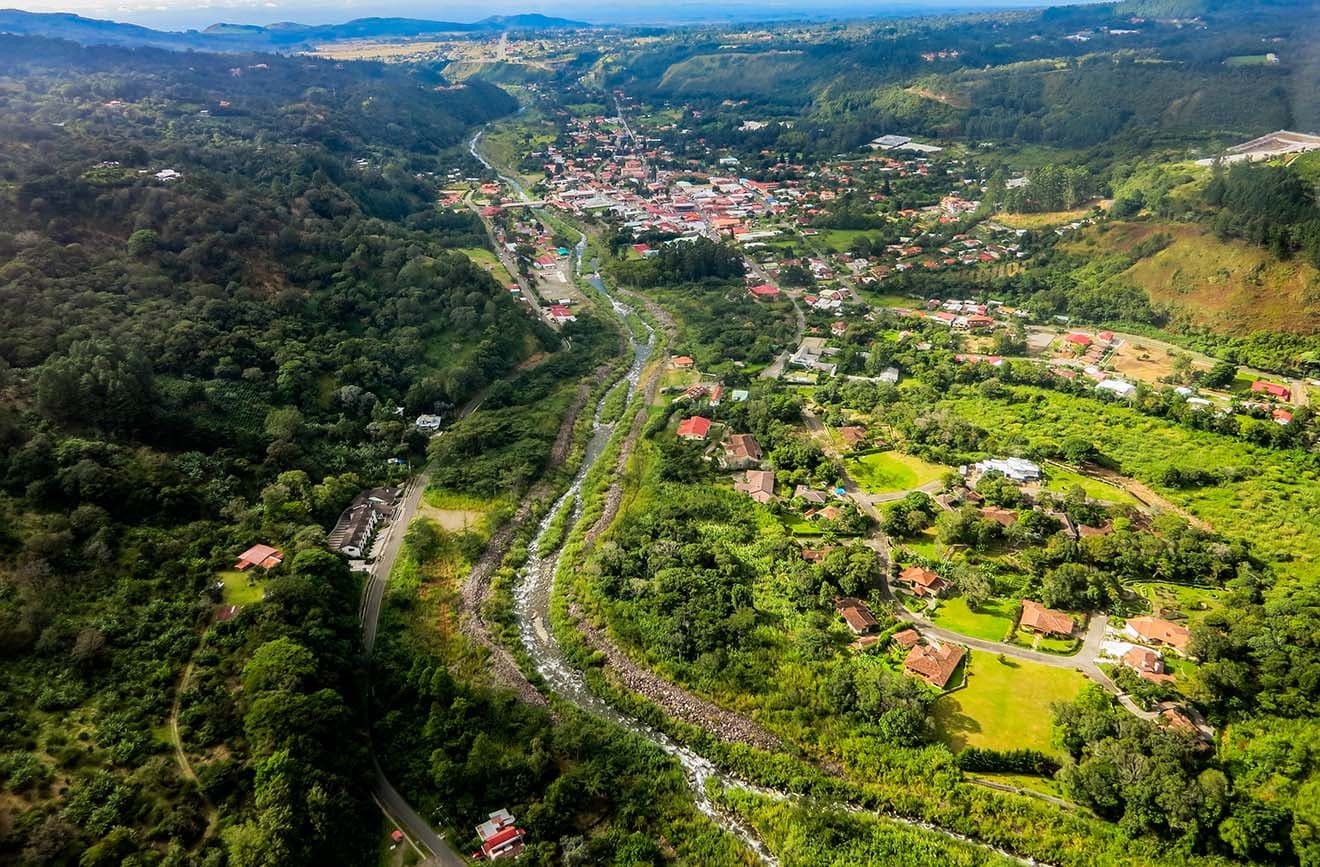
[
  {"x": 1144, "y": 495},
  {"x": 176, "y": 741}
]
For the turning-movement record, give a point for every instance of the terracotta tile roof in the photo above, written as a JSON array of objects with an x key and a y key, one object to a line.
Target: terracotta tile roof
[
  {"x": 696, "y": 427},
  {"x": 935, "y": 665},
  {"x": 1045, "y": 620},
  {"x": 1159, "y": 630},
  {"x": 857, "y": 614},
  {"x": 907, "y": 638},
  {"x": 743, "y": 447}
]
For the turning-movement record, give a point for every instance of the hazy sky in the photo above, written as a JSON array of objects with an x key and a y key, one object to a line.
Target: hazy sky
[{"x": 182, "y": 14}]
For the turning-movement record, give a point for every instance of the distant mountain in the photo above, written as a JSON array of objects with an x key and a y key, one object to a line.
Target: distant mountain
[{"x": 274, "y": 37}]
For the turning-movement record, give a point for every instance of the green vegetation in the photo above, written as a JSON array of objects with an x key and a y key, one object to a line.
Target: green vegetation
[
  {"x": 241, "y": 588},
  {"x": 1275, "y": 504},
  {"x": 991, "y": 620},
  {"x": 886, "y": 472},
  {"x": 1005, "y": 705},
  {"x": 1062, "y": 480}
]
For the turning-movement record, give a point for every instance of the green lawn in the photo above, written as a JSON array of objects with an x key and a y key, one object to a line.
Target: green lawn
[
  {"x": 838, "y": 239},
  {"x": 1061, "y": 480},
  {"x": 991, "y": 622},
  {"x": 885, "y": 472},
  {"x": 1048, "y": 644},
  {"x": 1249, "y": 60},
  {"x": 1006, "y": 705},
  {"x": 241, "y": 588},
  {"x": 926, "y": 543}
]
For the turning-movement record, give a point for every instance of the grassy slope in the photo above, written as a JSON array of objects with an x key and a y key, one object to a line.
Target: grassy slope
[
  {"x": 991, "y": 622},
  {"x": 1228, "y": 286},
  {"x": 883, "y": 472}
]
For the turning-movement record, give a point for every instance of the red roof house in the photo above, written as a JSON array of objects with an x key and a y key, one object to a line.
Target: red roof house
[
  {"x": 922, "y": 581},
  {"x": 499, "y": 837},
  {"x": 765, "y": 290},
  {"x": 695, "y": 428},
  {"x": 857, "y": 614},
  {"x": 1273, "y": 389},
  {"x": 935, "y": 665},
  {"x": 1157, "y": 630}
]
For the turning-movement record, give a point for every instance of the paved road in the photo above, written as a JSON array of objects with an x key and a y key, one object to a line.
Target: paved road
[
  {"x": 386, "y": 550},
  {"x": 420, "y": 832}
]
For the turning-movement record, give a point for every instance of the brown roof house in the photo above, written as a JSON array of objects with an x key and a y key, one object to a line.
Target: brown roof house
[
  {"x": 907, "y": 638},
  {"x": 1158, "y": 631},
  {"x": 1148, "y": 664},
  {"x": 922, "y": 581},
  {"x": 935, "y": 665},
  {"x": 260, "y": 555},
  {"x": 816, "y": 555},
  {"x": 759, "y": 485},
  {"x": 1045, "y": 621},
  {"x": 742, "y": 451},
  {"x": 857, "y": 614}
]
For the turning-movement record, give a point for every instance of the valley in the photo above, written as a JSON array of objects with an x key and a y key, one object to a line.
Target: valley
[{"x": 887, "y": 441}]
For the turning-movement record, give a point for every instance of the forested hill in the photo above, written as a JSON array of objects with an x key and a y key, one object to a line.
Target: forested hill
[
  {"x": 224, "y": 283},
  {"x": 1076, "y": 76}
]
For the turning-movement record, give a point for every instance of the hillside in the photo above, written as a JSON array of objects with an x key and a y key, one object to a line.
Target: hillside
[
  {"x": 1075, "y": 77},
  {"x": 1229, "y": 287},
  {"x": 224, "y": 288}
]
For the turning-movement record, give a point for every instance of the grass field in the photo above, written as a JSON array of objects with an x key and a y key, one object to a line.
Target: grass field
[
  {"x": 241, "y": 588},
  {"x": 1061, "y": 480},
  {"x": 1192, "y": 601},
  {"x": 880, "y": 299},
  {"x": 1006, "y": 705},
  {"x": 1250, "y": 60},
  {"x": 836, "y": 239},
  {"x": 991, "y": 622},
  {"x": 1042, "y": 221},
  {"x": 885, "y": 472}
]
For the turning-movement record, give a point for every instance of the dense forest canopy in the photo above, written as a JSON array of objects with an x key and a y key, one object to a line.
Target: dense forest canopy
[{"x": 225, "y": 287}]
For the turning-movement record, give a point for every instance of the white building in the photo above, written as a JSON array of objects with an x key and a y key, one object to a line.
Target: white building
[
  {"x": 1118, "y": 387},
  {"x": 1016, "y": 469}
]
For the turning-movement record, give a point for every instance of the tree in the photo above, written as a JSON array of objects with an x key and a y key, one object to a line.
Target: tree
[
  {"x": 281, "y": 664},
  {"x": 142, "y": 243}
]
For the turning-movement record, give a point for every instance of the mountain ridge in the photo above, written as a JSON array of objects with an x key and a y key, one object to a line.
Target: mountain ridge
[{"x": 285, "y": 35}]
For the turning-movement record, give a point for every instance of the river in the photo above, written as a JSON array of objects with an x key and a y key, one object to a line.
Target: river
[{"x": 535, "y": 587}]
